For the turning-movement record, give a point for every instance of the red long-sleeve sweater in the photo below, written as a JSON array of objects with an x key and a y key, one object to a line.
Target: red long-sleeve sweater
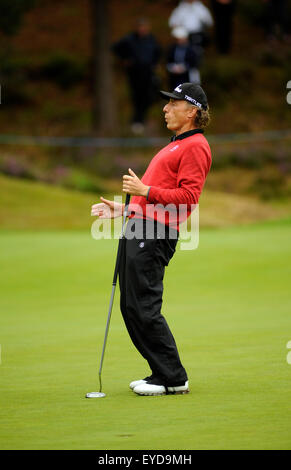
[{"x": 176, "y": 176}]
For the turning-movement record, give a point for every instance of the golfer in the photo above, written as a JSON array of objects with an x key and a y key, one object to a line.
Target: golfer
[{"x": 174, "y": 178}]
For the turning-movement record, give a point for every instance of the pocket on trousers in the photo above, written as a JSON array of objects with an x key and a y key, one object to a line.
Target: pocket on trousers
[
  {"x": 141, "y": 266},
  {"x": 165, "y": 249}
]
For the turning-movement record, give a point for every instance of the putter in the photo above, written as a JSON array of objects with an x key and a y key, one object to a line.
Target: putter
[{"x": 100, "y": 394}]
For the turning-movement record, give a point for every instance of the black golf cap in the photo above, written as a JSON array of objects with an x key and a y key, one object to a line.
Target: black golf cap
[{"x": 194, "y": 94}]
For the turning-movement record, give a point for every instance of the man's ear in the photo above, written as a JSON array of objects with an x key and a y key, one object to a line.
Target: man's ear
[{"x": 192, "y": 112}]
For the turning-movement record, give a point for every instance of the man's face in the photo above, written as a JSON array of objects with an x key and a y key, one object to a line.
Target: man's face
[
  {"x": 143, "y": 29},
  {"x": 177, "y": 114},
  {"x": 182, "y": 41}
]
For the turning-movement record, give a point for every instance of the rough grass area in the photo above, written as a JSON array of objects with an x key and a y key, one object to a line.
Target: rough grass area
[
  {"x": 227, "y": 303},
  {"x": 37, "y": 206}
]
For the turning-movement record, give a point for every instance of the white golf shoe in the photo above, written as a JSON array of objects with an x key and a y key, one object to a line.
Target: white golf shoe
[
  {"x": 135, "y": 383},
  {"x": 156, "y": 390}
]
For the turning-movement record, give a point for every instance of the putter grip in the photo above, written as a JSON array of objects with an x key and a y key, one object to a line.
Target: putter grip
[
  {"x": 120, "y": 242},
  {"x": 127, "y": 199}
]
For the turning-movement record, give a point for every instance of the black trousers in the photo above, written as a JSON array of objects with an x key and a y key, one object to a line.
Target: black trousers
[
  {"x": 276, "y": 16},
  {"x": 141, "y": 274},
  {"x": 223, "y": 16}
]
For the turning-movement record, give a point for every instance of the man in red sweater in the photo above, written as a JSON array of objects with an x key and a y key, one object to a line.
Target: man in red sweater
[{"x": 173, "y": 179}]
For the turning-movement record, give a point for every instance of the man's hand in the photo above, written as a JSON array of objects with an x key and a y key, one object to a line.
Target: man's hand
[
  {"x": 107, "y": 209},
  {"x": 133, "y": 185}
]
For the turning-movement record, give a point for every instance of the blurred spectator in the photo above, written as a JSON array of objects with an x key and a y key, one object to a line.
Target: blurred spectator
[
  {"x": 182, "y": 61},
  {"x": 195, "y": 18},
  {"x": 277, "y": 19},
  {"x": 140, "y": 53},
  {"x": 223, "y": 11}
]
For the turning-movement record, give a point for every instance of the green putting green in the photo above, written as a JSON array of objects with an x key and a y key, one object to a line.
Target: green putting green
[{"x": 228, "y": 304}]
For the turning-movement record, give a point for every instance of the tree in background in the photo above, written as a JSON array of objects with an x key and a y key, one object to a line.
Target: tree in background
[
  {"x": 103, "y": 103},
  {"x": 11, "y": 14}
]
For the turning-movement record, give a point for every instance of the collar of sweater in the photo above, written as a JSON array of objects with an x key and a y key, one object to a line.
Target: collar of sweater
[{"x": 186, "y": 134}]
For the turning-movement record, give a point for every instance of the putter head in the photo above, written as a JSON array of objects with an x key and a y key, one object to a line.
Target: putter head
[{"x": 95, "y": 395}]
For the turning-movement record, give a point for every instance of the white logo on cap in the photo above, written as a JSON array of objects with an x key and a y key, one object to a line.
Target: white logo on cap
[
  {"x": 188, "y": 98},
  {"x": 179, "y": 89}
]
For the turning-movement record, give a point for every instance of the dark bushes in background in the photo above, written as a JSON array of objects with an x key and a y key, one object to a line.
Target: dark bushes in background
[{"x": 63, "y": 69}]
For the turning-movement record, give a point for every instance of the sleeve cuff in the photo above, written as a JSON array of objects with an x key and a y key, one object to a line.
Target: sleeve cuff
[{"x": 147, "y": 197}]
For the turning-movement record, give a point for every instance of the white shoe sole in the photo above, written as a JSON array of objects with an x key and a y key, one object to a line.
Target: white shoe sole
[
  {"x": 155, "y": 394},
  {"x": 158, "y": 390}
]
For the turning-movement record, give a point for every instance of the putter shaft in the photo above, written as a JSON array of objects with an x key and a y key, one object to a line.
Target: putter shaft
[{"x": 116, "y": 270}]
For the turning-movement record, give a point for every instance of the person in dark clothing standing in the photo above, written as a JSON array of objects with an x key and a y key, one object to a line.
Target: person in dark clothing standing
[
  {"x": 276, "y": 21},
  {"x": 182, "y": 61},
  {"x": 140, "y": 53},
  {"x": 196, "y": 18},
  {"x": 223, "y": 11}
]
